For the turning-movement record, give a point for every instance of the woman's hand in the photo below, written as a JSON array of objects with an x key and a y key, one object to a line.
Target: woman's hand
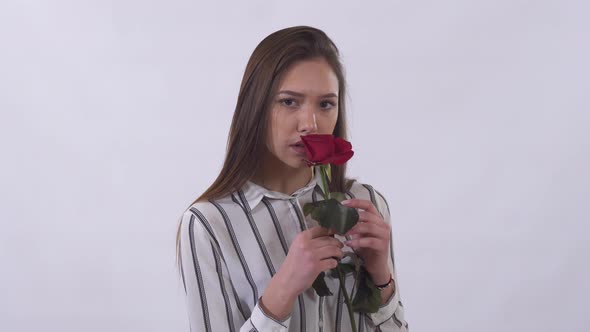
[
  {"x": 312, "y": 252},
  {"x": 370, "y": 239}
]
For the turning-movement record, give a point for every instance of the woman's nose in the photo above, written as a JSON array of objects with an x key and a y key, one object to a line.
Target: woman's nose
[{"x": 307, "y": 121}]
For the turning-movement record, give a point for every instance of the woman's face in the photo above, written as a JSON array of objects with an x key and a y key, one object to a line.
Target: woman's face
[{"x": 306, "y": 102}]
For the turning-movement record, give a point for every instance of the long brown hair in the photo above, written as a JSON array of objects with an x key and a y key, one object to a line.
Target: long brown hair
[{"x": 247, "y": 136}]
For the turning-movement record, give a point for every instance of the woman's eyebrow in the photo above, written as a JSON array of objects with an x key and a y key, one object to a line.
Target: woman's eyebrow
[{"x": 297, "y": 94}]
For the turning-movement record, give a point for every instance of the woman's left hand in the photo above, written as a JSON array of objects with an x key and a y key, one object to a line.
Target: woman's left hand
[{"x": 370, "y": 239}]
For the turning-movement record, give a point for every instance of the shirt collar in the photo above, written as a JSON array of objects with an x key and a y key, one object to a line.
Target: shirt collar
[{"x": 254, "y": 192}]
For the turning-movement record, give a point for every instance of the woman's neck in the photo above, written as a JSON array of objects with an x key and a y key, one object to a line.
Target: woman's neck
[{"x": 274, "y": 175}]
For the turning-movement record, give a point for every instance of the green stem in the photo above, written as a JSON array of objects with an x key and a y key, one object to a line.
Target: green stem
[
  {"x": 324, "y": 176},
  {"x": 348, "y": 303}
]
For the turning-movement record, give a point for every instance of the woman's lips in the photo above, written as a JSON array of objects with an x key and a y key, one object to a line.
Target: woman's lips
[{"x": 298, "y": 149}]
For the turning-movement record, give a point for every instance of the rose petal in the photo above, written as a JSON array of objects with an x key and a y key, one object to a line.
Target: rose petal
[
  {"x": 326, "y": 149},
  {"x": 341, "y": 158},
  {"x": 318, "y": 147},
  {"x": 342, "y": 145}
]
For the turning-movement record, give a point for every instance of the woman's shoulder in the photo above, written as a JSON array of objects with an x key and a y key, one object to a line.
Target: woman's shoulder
[
  {"x": 209, "y": 214},
  {"x": 210, "y": 208}
]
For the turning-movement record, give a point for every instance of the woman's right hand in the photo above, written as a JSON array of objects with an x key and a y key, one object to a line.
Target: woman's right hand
[{"x": 311, "y": 252}]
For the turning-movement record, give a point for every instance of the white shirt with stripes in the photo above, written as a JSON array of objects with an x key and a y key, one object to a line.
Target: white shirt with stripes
[{"x": 231, "y": 247}]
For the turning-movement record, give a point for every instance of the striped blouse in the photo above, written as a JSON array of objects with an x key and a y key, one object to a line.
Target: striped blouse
[{"x": 231, "y": 247}]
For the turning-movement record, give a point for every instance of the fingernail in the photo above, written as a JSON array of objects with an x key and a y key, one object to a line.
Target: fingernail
[{"x": 345, "y": 202}]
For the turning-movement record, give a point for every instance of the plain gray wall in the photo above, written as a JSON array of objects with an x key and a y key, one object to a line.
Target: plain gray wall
[{"x": 472, "y": 117}]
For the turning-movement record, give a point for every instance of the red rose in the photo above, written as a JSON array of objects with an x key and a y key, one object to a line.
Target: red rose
[{"x": 326, "y": 149}]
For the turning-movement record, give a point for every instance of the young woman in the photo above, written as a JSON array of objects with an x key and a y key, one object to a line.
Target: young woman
[{"x": 248, "y": 256}]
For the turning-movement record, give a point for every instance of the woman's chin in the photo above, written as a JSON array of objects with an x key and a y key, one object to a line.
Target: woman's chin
[{"x": 297, "y": 163}]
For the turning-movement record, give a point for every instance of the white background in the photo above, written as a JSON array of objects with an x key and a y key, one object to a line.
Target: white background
[{"x": 471, "y": 117}]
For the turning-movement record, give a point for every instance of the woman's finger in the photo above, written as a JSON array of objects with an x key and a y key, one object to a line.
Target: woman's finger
[
  {"x": 371, "y": 218},
  {"x": 369, "y": 229},
  {"x": 316, "y": 231},
  {"x": 326, "y": 241},
  {"x": 361, "y": 204},
  {"x": 368, "y": 242},
  {"x": 327, "y": 264},
  {"x": 328, "y": 252}
]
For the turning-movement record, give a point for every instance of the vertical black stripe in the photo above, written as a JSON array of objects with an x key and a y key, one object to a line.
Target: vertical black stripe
[
  {"x": 181, "y": 268},
  {"x": 372, "y": 196},
  {"x": 202, "y": 294},
  {"x": 394, "y": 318},
  {"x": 391, "y": 252},
  {"x": 299, "y": 215},
  {"x": 321, "y": 314},
  {"x": 338, "y": 322},
  {"x": 317, "y": 190},
  {"x": 350, "y": 194},
  {"x": 253, "y": 329},
  {"x": 383, "y": 198},
  {"x": 277, "y": 225},
  {"x": 371, "y": 193},
  {"x": 236, "y": 245},
  {"x": 230, "y": 320},
  {"x": 397, "y": 321},
  {"x": 207, "y": 226},
  {"x": 361, "y": 325},
  {"x": 261, "y": 244},
  {"x": 238, "y": 301}
]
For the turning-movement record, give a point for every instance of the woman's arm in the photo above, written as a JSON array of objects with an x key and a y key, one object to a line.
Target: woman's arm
[{"x": 211, "y": 298}]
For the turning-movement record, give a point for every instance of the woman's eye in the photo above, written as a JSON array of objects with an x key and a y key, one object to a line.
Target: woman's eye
[
  {"x": 327, "y": 105},
  {"x": 287, "y": 102}
]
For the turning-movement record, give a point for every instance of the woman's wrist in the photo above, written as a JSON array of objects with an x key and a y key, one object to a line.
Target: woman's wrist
[
  {"x": 277, "y": 300},
  {"x": 381, "y": 277},
  {"x": 382, "y": 286},
  {"x": 387, "y": 292}
]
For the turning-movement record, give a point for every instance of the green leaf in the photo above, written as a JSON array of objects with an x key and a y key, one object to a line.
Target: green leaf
[
  {"x": 307, "y": 208},
  {"x": 329, "y": 172},
  {"x": 344, "y": 267},
  {"x": 338, "y": 196},
  {"x": 320, "y": 287},
  {"x": 331, "y": 214},
  {"x": 368, "y": 297},
  {"x": 358, "y": 263}
]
